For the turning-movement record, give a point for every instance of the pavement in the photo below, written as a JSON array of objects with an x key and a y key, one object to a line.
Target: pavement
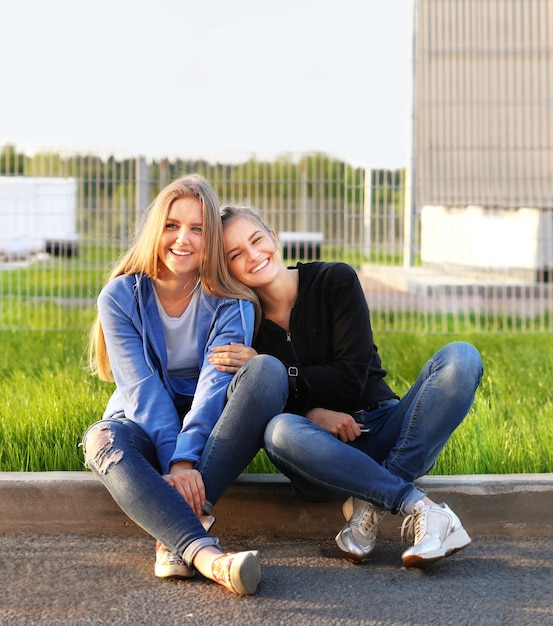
[
  {"x": 391, "y": 288},
  {"x": 69, "y": 556}
]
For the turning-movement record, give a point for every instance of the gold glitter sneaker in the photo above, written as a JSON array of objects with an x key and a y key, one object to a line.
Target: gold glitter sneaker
[
  {"x": 170, "y": 565},
  {"x": 239, "y": 572}
]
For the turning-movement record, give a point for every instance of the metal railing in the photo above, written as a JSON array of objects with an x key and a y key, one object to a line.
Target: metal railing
[{"x": 358, "y": 214}]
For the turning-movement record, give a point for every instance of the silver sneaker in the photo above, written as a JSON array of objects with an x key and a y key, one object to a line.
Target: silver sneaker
[
  {"x": 437, "y": 532},
  {"x": 358, "y": 536}
]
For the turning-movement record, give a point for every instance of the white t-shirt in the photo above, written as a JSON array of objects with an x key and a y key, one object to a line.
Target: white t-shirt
[{"x": 181, "y": 338}]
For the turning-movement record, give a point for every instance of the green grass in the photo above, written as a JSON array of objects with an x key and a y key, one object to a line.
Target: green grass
[
  {"x": 48, "y": 399},
  {"x": 508, "y": 429}
]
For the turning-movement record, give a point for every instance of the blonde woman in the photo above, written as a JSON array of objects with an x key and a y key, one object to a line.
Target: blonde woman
[{"x": 176, "y": 432}]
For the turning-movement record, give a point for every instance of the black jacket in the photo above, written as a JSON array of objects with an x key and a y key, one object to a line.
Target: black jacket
[{"x": 330, "y": 344}]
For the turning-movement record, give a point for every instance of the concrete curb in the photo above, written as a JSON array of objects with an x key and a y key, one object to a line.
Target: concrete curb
[{"x": 263, "y": 505}]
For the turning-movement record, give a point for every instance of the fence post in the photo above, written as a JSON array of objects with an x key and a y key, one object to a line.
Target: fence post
[
  {"x": 142, "y": 195},
  {"x": 410, "y": 204},
  {"x": 367, "y": 214}
]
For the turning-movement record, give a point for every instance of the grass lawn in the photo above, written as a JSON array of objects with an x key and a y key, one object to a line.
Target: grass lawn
[{"x": 47, "y": 400}]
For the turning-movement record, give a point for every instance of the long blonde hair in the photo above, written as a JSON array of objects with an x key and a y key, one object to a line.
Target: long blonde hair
[{"x": 142, "y": 256}]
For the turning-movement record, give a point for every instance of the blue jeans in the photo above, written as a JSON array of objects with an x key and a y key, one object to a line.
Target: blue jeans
[
  {"x": 404, "y": 441},
  {"x": 123, "y": 457},
  {"x": 257, "y": 393}
]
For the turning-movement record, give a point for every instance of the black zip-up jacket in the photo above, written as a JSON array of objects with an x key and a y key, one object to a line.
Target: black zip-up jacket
[{"x": 329, "y": 351}]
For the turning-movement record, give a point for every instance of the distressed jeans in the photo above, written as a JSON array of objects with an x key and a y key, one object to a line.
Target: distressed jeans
[
  {"x": 123, "y": 457},
  {"x": 404, "y": 441}
]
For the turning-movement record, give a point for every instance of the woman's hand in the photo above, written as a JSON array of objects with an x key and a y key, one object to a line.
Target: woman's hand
[
  {"x": 341, "y": 425},
  {"x": 189, "y": 483},
  {"x": 231, "y": 358}
]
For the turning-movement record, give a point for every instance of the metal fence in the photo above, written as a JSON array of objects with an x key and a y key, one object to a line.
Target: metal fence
[
  {"x": 460, "y": 239},
  {"x": 357, "y": 215},
  {"x": 55, "y": 250}
]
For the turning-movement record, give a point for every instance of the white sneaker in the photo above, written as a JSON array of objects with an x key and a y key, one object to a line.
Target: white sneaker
[
  {"x": 171, "y": 565},
  {"x": 437, "y": 532},
  {"x": 358, "y": 536}
]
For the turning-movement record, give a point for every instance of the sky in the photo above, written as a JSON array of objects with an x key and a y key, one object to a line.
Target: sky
[{"x": 208, "y": 78}]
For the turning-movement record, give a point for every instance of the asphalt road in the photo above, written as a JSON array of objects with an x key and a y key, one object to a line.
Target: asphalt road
[{"x": 76, "y": 579}]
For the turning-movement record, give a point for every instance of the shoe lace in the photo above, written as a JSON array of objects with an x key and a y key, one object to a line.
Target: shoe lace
[
  {"x": 371, "y": 519},
  {"x": 414, "y": 526}
]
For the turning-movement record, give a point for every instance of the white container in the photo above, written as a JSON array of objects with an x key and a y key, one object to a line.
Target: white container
[{"x": 37, "y": 215}]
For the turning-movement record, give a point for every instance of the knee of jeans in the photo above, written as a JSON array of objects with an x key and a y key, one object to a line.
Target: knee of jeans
[
  {"x": 278, "y": 432},
  {"x": 471, "y": 361},
  {"x": 265, "y": 367},
  {"x": 270, "y": 366},
  {"x": 99, "y": 448},
  {"x": 464, "y": 359}
]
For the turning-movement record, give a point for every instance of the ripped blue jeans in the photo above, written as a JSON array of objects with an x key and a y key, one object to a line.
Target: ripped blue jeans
[{"x": 123, "y": 457}]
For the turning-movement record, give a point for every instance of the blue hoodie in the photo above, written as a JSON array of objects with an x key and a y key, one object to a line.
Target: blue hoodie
[{"x": 145, "y": 392}]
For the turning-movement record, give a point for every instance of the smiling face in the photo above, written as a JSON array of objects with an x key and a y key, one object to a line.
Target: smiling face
[
  {"x": 182, "y": 242},
  {"x": 252, "y": 252}
]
